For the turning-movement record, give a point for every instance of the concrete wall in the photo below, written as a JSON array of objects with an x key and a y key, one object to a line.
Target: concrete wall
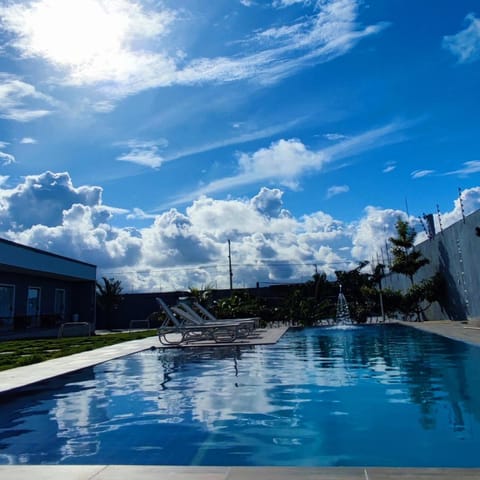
[{"x": 456, "y": 253}]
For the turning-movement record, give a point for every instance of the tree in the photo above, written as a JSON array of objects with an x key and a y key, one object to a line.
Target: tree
[
  {"x": 406, "y": 260},
  {"x": 109, "y": 297}
]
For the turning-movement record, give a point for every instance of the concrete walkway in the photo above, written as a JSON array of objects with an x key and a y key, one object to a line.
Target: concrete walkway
[{"x": 461, "y": 331}]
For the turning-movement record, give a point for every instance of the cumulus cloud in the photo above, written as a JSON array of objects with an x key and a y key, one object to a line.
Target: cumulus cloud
[
  {"x": 371, "y": 233},
  {"x": 178, "y": 250},
  {"x": 268, "y": 201},
  {"x": 21, "y": 101},
  {"x": 121, "y": 53},
  {"x": 42, "y": 199},
  {"x": 470, "y": 201},
  {"x": 465, "y": 45}
]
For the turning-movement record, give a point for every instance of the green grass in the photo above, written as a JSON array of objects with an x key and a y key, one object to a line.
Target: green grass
[{"x": 17, "y": 353}]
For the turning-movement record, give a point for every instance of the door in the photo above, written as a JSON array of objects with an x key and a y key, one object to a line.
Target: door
[
  {"x": 59, "y": 306},
  {"x": 7, "y": 298},
  {"x": 33, "y": 306}
]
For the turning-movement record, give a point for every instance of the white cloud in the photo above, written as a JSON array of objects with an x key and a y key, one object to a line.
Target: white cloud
[
  {"x": 123, "y": 54},
  {"x": 42, "y": 199},
  {"x": 389, "y": 167},
  {"x": 470, "y": 202},
  {"x": 19, "y": 100},
  {"x": 337, "y": 190},
  {"x": 6, "y": 158},
  {"x": 334, "y": 136},
  {"x": 468, "y": 168},
  {"x": 178, "y": 250},
  {"x": 144, "y": 153},
  {"x": 288, "y": 3},
  {"x": 371, "y": 233},
  {"x": 465, "y": 45},
  {"x": 285, "y": 161},
  {"x": 55, "y": 30},
  {"x": 422, "y": 173},
  {"x": 28, "y": 140}
]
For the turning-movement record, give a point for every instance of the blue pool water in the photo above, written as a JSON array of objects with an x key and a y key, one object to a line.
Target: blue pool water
[{"x": 386, "y": 395}]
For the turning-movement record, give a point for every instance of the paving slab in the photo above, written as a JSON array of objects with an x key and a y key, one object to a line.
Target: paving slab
[
  {"x": 460, "y": 331},
  {"x": 145, "y": 472},
  {"x": 50, "y": 472}
]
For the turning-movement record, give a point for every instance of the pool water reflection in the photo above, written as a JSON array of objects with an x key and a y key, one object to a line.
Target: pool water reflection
[{"x": 386, "y": 395}]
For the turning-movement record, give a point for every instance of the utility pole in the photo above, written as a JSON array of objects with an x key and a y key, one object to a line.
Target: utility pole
[{"x": 230, "y": 267}]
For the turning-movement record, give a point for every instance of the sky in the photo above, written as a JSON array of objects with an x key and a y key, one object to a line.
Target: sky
[{"x": 143, "y": 136}]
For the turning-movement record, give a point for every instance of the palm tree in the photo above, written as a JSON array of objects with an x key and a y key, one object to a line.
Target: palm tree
[{"x": 109, "y": 297}]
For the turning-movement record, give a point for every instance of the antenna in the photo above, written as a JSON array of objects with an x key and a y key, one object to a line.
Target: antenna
[
  {"x": 461, "y": 203},
  {"x": 230, "y": 267},
  {"x": 406, "y": 207},
  {"x": 439, "y": 218}
]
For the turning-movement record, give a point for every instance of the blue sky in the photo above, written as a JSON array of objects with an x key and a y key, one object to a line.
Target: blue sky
[{"x": 142, "y": 135}]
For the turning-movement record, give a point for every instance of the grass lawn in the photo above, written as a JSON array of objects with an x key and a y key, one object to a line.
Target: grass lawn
[{"x": 16, "y": 353}]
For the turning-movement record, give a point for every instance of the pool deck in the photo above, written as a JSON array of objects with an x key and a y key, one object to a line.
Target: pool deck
[
  {"x": 461, "y": 331},
  {"x": 22, "y": 376}
]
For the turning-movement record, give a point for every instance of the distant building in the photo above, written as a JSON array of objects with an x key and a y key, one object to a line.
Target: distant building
[{"x": 42, "y": 289}]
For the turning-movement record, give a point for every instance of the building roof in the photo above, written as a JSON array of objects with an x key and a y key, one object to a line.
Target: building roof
[{"x": 18, "y": 258}]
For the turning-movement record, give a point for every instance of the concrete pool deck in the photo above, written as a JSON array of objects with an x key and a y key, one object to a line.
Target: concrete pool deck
[{"x": 22, "y": 376}]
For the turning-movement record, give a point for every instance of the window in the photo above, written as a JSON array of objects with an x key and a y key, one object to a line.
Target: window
[{"x": 7, "y": 302}]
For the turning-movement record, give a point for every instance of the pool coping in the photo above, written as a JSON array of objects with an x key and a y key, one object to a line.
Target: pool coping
[
  {"x": 148, "y": 472},
  {"x": 13, "y": 379}
]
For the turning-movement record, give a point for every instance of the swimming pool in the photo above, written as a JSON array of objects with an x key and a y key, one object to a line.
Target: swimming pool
[{"x": 386, "y": 396}]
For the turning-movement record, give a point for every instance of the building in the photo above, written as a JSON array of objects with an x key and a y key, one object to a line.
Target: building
[{"x": 42, "y": 289}]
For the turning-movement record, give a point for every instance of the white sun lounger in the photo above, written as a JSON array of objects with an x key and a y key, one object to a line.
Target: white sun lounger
[
  {"x": 202, "y": 311},
  {"x": 175, "y": 331},
  {"x": 244, "y": 327}
]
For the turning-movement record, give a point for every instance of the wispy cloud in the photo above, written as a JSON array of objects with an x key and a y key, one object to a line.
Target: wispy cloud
[
  {"x": 421, "y": 173},
  {"x": 287, "y": 3},
  {"x": 285, "y": 161},
  {"x": 109, "y": 56},
  {"x": 465, "y": 45},
  {"x": 18, "y": 100},
  {"x": 389, "y": 167},
  {"x": 6, "y": 158},
  {"x": 235, "y": 140},
  {"x": 143, "y": 153},
  {"x": 468, "y": 168},
  {"x": 337, "y": 190},
  {"x": 334, "y": 136}
]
